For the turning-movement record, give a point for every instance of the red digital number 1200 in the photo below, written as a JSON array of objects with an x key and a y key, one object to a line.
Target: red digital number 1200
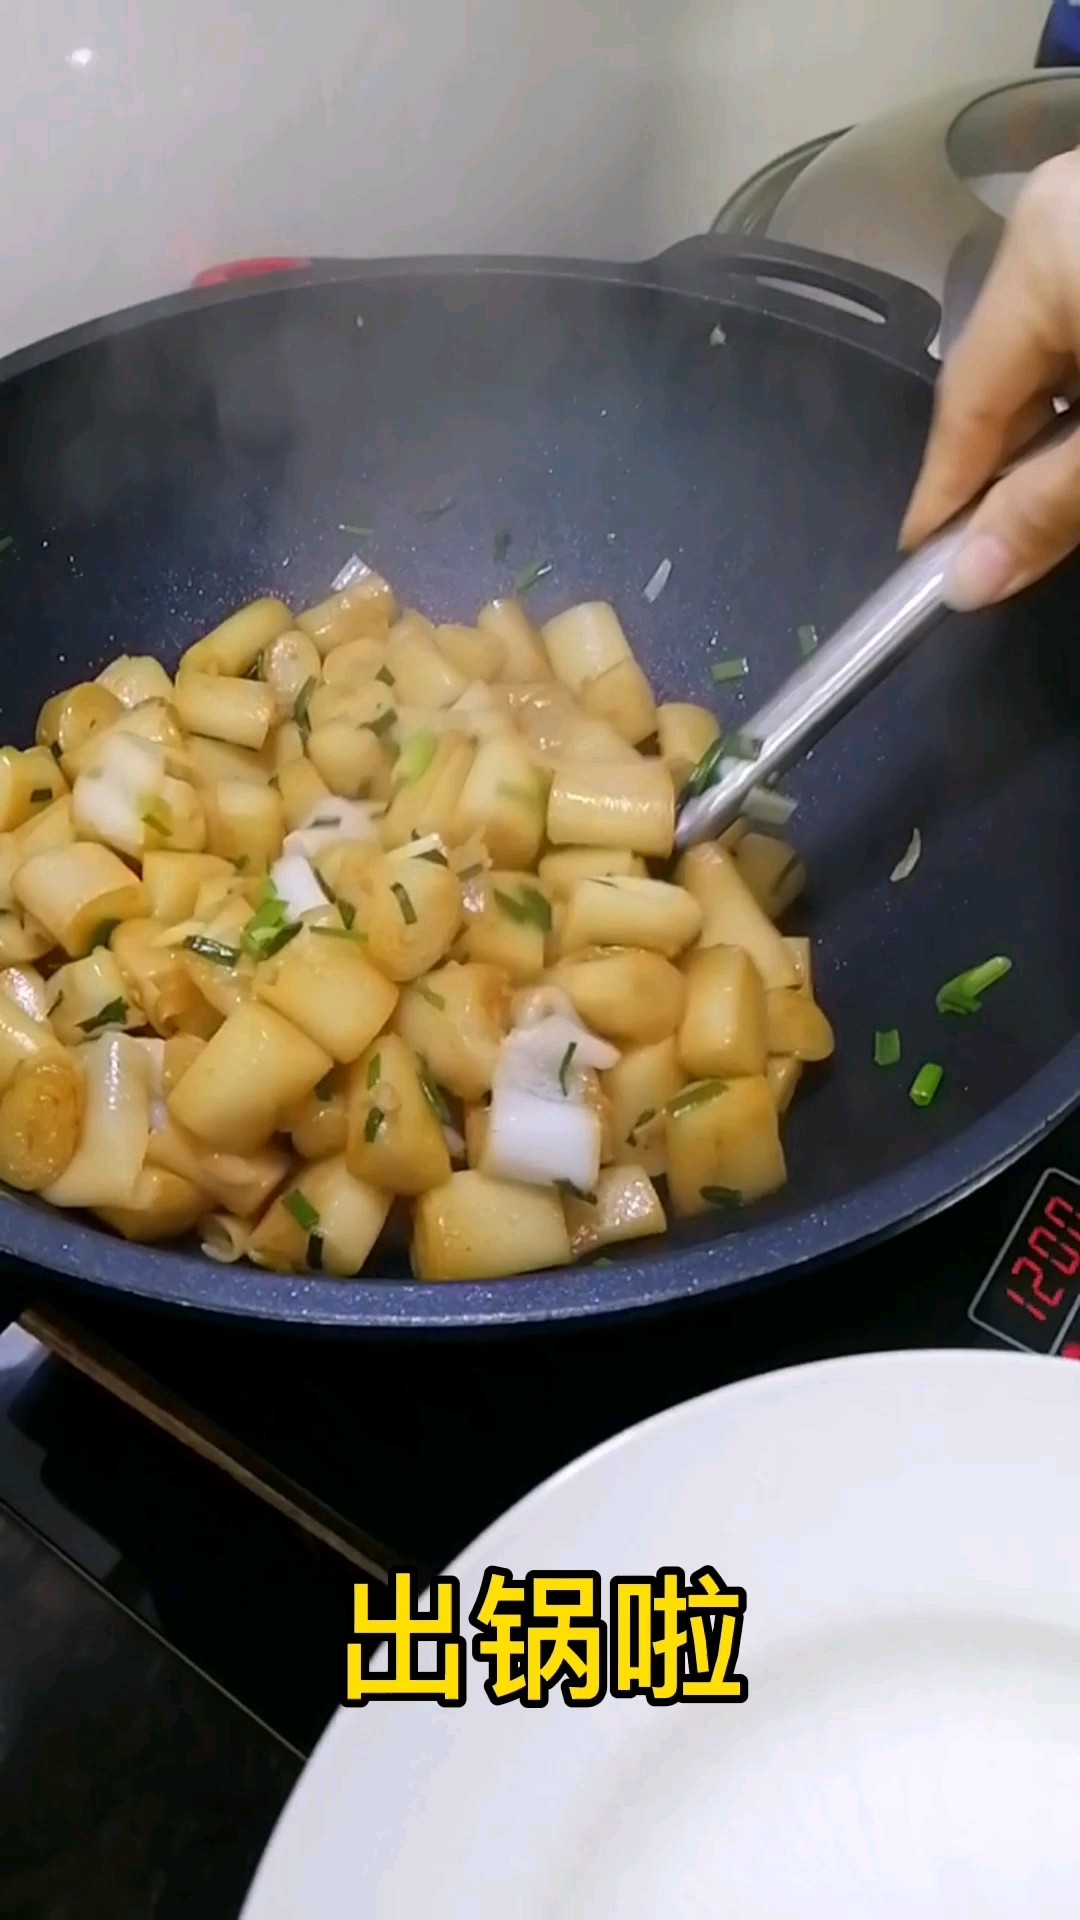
[{"x": 1031, "y": 1295}]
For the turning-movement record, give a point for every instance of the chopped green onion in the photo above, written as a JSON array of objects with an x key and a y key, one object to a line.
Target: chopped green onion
[
  {"x": 724, "y": 1197},
  {"x": 695, "y": 1096},
  {"x": 924, "y": 1087},
  {"x": 347, "y": 912},
  {"x": 703, "y": 775},
  {"x": 384, "y": 674},
  {"x": 529, "y": 576},
  {"x": 436, "y": 512},
  {"x": 808, "y": 641},
  {"x": 7, "y": 542},
  {"x": 886, "y": 1047},
  {"x": 374, "y": 1070},
  {"x": 39, "y": 794},
  {"x": 302, "y": 1211},
  {"x": 434, "y": 1095},
  {"x": 470, "y": 873},
  {"x": 530, "y": 909},
  {"x": 280, "y": 939},
  {"x": 501, "y": 545},
  {"x": 374, "y": 1121},
  {"x": 362, "y": 533},
  {"x": 724, "y": 670},
  {"x": 325, "y": 1088},
  {"x": 112, "y": 1015},
  {"x": 315, "y": 1252},
  {"x": 416, "y": 757},
  {"x": 435, "y": 856},
  {"x": 260, "y": 936},
  {"x": 300, "y": 706},
  {"x": 641, "y": 1121},
  {"x": 433, "y": 999},
  {"x": 215, "y": 950},
  {"x": 565, "y": 1064},
  {"x": 102, "y": 934},
  {"x": 326, "y": 820},
  {"x": 408, "y": 911},
  {"x": 964, "y": 993},
  {"x": 570, "y": 1192}
]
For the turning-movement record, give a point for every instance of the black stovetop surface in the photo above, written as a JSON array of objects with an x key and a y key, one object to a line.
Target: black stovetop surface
[{"x": 408, "y": 1448}]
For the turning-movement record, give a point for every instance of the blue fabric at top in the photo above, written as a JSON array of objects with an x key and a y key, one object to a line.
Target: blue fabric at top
[{"x": 1061, "y": 38}]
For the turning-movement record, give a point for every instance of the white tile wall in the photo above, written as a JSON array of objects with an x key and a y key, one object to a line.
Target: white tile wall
[{"x": 145, "y": 141}]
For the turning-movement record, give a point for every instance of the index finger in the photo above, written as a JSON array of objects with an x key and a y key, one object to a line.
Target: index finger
[{"x": 993, "y": 392}]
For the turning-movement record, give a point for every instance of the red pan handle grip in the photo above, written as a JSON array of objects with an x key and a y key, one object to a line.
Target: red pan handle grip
[{"x": 246, "y": 270}]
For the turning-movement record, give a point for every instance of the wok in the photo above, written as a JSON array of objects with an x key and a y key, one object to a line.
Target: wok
[{"x": 165, "y": 465}]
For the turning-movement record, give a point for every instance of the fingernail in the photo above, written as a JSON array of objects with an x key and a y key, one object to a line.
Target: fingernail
[{"x": 980, "y": 573}]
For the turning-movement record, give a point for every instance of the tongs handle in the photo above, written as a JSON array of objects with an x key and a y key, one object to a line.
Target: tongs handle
[{"x": 837, "y": 675}]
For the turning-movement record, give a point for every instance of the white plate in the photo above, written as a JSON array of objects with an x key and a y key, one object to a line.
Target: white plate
[{"x": 907, "y": 1528}]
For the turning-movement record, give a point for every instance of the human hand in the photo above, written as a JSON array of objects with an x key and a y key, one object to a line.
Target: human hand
[{"x": 1020, "y": 348}]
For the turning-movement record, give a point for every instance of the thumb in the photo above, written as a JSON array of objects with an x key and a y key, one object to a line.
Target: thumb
[{"x": 1025, "y": 526}]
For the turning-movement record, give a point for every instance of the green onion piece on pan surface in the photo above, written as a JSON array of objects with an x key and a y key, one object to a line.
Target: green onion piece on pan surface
[
  {"x": 964, "y": 993},
  {"x": 923, "y": 1089},
  {"x": 724, "y": 670},
  {"x": 886, "y": 1047},
  {"x": 808, "y": 640}
]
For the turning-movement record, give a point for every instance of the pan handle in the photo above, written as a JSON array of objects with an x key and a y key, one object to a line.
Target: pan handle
[{"x": 842, "y": 298}]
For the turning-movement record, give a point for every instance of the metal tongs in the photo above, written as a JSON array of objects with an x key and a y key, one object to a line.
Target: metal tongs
[{"x": 837, "y": 675}]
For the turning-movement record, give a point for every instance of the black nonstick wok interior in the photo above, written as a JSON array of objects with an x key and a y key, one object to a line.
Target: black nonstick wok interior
[{"x": 161, "y": 470}]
